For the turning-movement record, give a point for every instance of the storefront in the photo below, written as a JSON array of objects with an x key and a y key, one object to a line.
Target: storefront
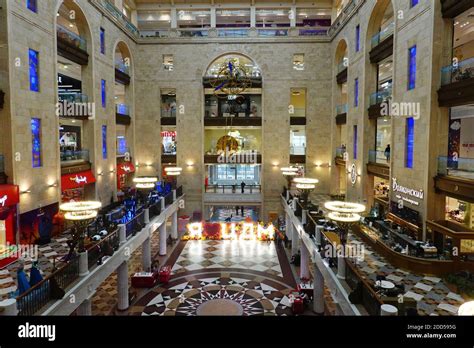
[
  {"x": 125, "y": 172},
  {"x": 76, "y": 186},
  {"x": 9, "y": 199}
]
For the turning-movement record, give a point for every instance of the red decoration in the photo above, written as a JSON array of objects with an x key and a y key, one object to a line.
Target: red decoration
[{"x": 77, "y": 180}]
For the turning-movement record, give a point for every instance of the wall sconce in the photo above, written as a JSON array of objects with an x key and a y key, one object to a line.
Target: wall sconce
[
  {"x": 25, "y": 191},
  {"x": 137, "y": 164},
  {"x": 100, "y": 173},
  {"x": 275, "y": 164},
  {"x": 190, "y": 164},
  {"x": 112, "y": 171},
  {"x": 322, "y": 165},
  {"x": 53, "y": 185},
  {"x": 149, "y": 164}
]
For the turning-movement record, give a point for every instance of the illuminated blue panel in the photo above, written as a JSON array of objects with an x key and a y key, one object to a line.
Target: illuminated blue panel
[
  {"x": 412, "y": 67},
  {"x": 410, "y": 142},
  {"x": 102, "y": 40},
  {"x": 357, "y": 38},
  {"x": 104, "y": 142},
  {"x": 36, "y": 142},
  {"x": 32, "y": 5},
  {"x": 356, "y": 92},
  {"x": 414, "y": 3},
  {"x": 103, "y": 93},
  {"x": 34, "y": 70},
  {"x": 355, "y": 142}
]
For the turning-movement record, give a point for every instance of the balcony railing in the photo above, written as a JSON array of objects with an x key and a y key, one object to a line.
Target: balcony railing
[
  {"x": 74, "y": 156},
  {"x": 168, "y": 112},
  {"x": 233, "y": 189},
  {"x": 238, "y": 32},
  {"x": 343, "y": 17},
  {"x": 35, "y": 298},
  {"x": 122, "y": 109},
  {"x": 383, "y": 34},
  {"x": 340, "y": 151},
  {"x": 135, "y": 225},
  {"x": 460, "y": 71},
  {"x": 115, "y": 12},
  {"x": 460, "y": 167},
  {"x": 323, "y": 31},
  {"x": 73, "y": 97},
  {"x": 341, "y": 109},
  {"x": 121, "y": 66},
  {"x": 267, "y": 32},
  {"x": 381, "y": 96},
  {"x": 341, "y": 66},
  {"x": 73, "y": 39},
  {"x": 111, "y": 241},
  {"x": 377, "y": 156},
  {"x": 179, "y": 191}
]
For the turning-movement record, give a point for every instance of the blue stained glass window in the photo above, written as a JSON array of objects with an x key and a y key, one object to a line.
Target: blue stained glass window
[
  {"x": 104, "y": 142},
  {"x": 34, "y": 70},
  {"x": 102, "y": 40},
  {"x": 410, "y": 142},
  {"x": 356, "y": 92},
  {"x": 357, "y": 38},
  {"x": 102, "y": 89},
  {"x": 355, "y": 142},
  {"x": 412, "y": 67},
  {"x": 32, "y": 5},
  {"x": 414, "y": 2},
  {"x": 36, "y": 142}
]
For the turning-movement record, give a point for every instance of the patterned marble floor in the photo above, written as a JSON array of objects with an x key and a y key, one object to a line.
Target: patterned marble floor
[
  {"x": 245, "y": 255},
  {"x": 250, "y": 274},
  {"x": 431, "y": 293}
]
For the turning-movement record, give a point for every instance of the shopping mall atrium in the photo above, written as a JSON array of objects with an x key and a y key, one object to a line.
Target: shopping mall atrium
[{"x": 236, "y": 158}]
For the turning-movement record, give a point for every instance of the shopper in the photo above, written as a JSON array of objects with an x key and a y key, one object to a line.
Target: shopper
[
  {"x": 242, "y": 186},
  {"x": 387, "y": 152}
]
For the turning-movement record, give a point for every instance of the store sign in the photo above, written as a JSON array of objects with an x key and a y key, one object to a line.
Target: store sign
[
  {"x": 412, "y": 193},
  {"x": 79, "y": 179},
  {"x": 127, "y": 169},
  {"x": 232, "y": 231},
  {"x": 9, "y": 195}
]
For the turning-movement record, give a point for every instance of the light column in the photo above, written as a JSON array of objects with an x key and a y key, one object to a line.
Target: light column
[
  {"x": 122, "y": 286},
  {"x": 174, "y": 225},
  {"x": 146, "y": 255},
  {"x": 162, "y": 232},
  {"x": 318, "y": 291},
  {"x": 304, "y": 270},
  {"x": 85, "y": 308}
]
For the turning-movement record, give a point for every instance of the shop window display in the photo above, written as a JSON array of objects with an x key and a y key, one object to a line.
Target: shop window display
[
  {"x": 460, "y": 212},
  {"x": 168, "y": 142}
]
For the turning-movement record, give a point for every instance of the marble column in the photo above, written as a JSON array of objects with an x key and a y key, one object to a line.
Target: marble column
[
  {"x": 318, "y": 291},
  {"x": 85, "y": 308},
  {"x": 288, "y": 228},
  {"x": 162, "y": 232},
  {"x": 174, "y": 225},
  {"x": 122, "y": 286},
  {"x": 295, "y": 239},
  {"x": 146, "y": 255},
  {"x": 304, "y": 268}
]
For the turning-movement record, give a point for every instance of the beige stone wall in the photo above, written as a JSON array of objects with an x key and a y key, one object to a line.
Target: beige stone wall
[
  {"x": 37, "y": 31},
  {"x": 276, "y": 63}
]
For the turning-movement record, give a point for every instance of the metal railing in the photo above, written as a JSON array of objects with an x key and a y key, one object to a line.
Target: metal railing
[
  {"x": 122, "y": 109},
  {"x": 383, "y": 34},
  {"x": 35, "y": 298},
  {"x": 154, "y": 209},
  {"x": 168, "y": 112},
  {"x": 323, "y": 31},
  {"x": 73, "y": 97},
  {"x": 341, "y": 109},
  {"x": 135, "y": 225},
  {"x": 340, "y": 151},
  {"x": 237, "y": 32},
  {"x": 378, "y": 156},
  {"x": 71, "y": 38},
  {"x": 121, "y": 66},
  {"x": 456, "y": 166},
  {"x": 343, "y": 17},
  {"x": 233, "y": 189},
  {"x": 381, "y": 96},
  {"x": 95, "y": 252},
  {"x": 457, "y": 71},
  {"x": 115, "y": 12},
  {"x": 341, "y": 66},
  {"x": 169, "y": 199},
  {"x": 272, "y": 32},
  {"x": 70, "y": 155}
]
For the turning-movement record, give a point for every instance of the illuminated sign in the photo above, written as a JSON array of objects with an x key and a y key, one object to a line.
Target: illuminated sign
[
  {"x": 396, "y": 187},
  {"x": 126, "y": 169},
  {"x": 79, "y": 179},
  {"x": 353, "y": 173},
  {"x": 230, "y": 231},
  {"x": 3, "y": 200}
]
